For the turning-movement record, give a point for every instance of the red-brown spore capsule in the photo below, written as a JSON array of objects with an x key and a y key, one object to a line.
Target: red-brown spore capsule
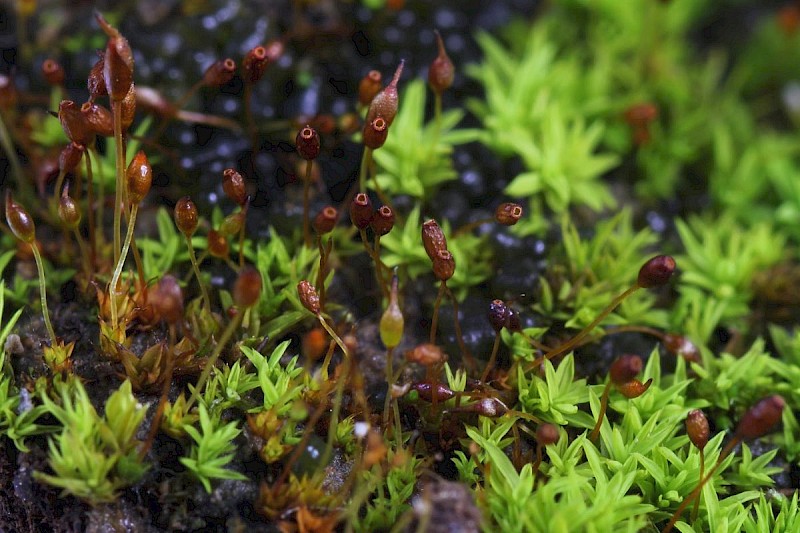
[
  {"x": 428, "y": 390},
  {"x": 508, "y": 213},
  {"x": 625, "y": 368},
  {"x": 218, "y": 244},
  {"x": 19, "y": 220},
  {"x": 441, "y": 71},
  {"x": 254, "y": 64},
  {"x": 386, "y": 101},
  {"x": 444, "y": 265},
  {"x": 369, "y": 86},
  {"x": 68, "y": 210},
  {"x": 139, "y": 177},
  {"x": 307, "y": 143},
  {"x": 656, "y": 272},
  {"x": 70, "y": 157},
  {"x": 361, "y": 211},
  {"x": 547, "y": 434},
  {"x": 219, "y": 73},
  {"x": 96, "y": 83},
  {"x": 697, "y": 428},
  {"x": 247, "y": 288},
  {"x": 53, "y": 72},
  {"x": 325, "y": 220},
  {"x": 309, "y": 297},
  {"x": 117, "y": 62},
  {"x": 376, "y": 132},
  {"x": 433, "y": 239},
  {"x": 186, "y": 216},
  {"x": 167, "y": 299},
  {"x": 426, "y": 354},
  {"x": 761, "y": 418},
  {"x": 74, "y": 123},
  {"x": 634, "y": 388},
  {"x": 382, "y": 221},
  {"x": 234, "y": 186},
  {"x": 99, "y": 118}
]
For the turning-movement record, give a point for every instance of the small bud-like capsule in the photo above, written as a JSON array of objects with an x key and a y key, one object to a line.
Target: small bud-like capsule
[
  {"x": 392, "y": 323},
  {"x": 217, "y": 244},
  {"x": 128, "y": 106},
  {"x": 625, "y": 369},
  {"x": 385, "y": 103},
  {"x": 139, "y": 177},
  {"x": 68, "y": 210},
  {"x": 441, "y": 72},
  {"x": 53, "y": 72},
  {"x": 444, "y": 265},
  {"x": 641, "y": 115},
  {"x": 167, "y": 299},
  {"x": 489, "y": 407},
  {"x": 325, "y": 221},
  {"x": 433, "y": 238},
  {"x": 761, "y": 418},
  {"x": 376, "y": 133},
  {"x": 186, "y": 216},
  {"x": 247, "y": 288},
  {"x": 117, "y": 62},
  {"x": 96, "y": 83},
  {"x": 547, "y": 434},
  {"x": 233, "y": 223},
  {"x": 70, "y": 157},
  {"x": 697, "y": 428},
  {"x": 361, "y": 211},
  {"x": 382, "y": 221},
  {"x": 99, "y": 118},
  {"x": 19, "y": 220},
  {"x": 73, "y": 123},
  {"x": 499, "y": 314},
  {"x": 427, "y": 391},
  {"x": 656, "y": 272},
  {"x": 234, "y": 187},
  {"x": 309, "y": 297},
  {"x": 254, "y": 64},
  {"x": 307, "y": 143},
  {"x": 634, "y": 388},
  {"x": 369, "y": 86},
  {"x": 426, "y": 355},
  {"x": 508, "y": 213},
  {"x": 219, "y": 73},
  {"x": 680, "y": 345},
  {"x": 315, "y": 343}
]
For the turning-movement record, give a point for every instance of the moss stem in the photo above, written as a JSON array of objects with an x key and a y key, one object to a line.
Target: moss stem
[{"x": 43, "y": 293}]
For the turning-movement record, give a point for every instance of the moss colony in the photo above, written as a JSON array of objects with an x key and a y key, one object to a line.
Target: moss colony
[{"x": 274, "y": 268}]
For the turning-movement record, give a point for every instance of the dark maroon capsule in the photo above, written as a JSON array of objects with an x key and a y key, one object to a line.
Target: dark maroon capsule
[
  {"x": 376, "y": 132},
  {"x": 307, "y": 143},
  {"x": 427, "y": 390},
  {"x": 697, "y": 428},
  {"x": 325, "y": 221},
  {"x": 761, "y": 418},
  {"x": 382, "y": 221},
  {"x": 219, "y": 73},
  {"x": 547, "y": 434},
  {"x": 361, "y": 211},
  {"x": 656, "y": 271},
  {"x": 625, "y": 368}
]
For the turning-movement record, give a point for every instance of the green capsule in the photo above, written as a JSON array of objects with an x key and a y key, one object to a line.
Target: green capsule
[{"x": 391, "y": 326}]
